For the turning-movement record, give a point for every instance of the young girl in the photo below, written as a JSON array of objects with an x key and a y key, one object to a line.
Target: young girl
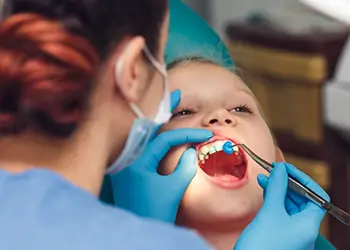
[{"x": 224, "y": 196}]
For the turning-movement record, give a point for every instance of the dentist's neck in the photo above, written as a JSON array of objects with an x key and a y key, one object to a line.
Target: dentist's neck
[
  {"x": 82, "y": 165},
  {"x": 81, "y": 159}
]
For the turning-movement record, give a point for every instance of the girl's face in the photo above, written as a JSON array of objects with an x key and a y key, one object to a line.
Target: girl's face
[{"x": 225, "y": 188}]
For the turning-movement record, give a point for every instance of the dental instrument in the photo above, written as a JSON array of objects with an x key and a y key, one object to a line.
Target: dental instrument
[{"x": 295, "y": 185}]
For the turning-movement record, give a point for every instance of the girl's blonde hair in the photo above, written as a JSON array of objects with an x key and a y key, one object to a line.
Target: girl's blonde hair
[{"x": 239, "y": 72}]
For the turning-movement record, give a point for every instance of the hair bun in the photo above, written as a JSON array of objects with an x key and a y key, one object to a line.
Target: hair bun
[{"x": 45, "y": 75}]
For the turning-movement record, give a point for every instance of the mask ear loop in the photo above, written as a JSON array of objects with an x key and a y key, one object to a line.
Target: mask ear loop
[
  {"x": 161, "y": 68},
  {"x": 117, "y": 73},
  {"x": 166, "y": 93}
]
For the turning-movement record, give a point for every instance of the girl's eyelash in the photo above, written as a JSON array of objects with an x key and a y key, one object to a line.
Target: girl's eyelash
[
  {"x": 243, "y": 109},
  {"x": 183, "y": 112},
  {"x": 188, "y": 111}
]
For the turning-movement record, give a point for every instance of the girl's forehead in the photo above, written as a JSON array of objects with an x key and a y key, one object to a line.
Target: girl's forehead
[{"x": 199, "y": 75}]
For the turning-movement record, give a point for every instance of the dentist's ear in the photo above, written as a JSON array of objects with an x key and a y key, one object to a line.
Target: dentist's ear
[{"x": 130, "y": 70}]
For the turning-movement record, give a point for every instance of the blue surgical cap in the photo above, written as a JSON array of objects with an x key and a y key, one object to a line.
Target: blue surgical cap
[{"x": 191, "y": 36}]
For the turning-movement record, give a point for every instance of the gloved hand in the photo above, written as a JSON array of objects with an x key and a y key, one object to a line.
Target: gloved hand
[
  {"x": 286, "y": 220},
  {"x": 140, "y": 189}
]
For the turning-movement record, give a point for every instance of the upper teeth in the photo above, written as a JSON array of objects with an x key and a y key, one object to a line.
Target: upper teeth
[{"x": 211, "y": 148}]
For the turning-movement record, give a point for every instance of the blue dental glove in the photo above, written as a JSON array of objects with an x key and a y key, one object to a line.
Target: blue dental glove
[
  {"x": 286, "y": 220},
  {"x": 140, "y": 189}
]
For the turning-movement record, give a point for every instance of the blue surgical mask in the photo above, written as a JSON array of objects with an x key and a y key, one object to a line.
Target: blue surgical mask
[{"x": 143, "y": 128}]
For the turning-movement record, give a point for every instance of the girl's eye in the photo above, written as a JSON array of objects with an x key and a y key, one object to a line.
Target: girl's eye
[
  {"x": 183, "y": 112},
  {"x": 242, "y": 109}
]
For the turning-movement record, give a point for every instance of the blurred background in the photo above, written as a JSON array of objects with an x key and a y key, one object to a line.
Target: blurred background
[{"x": 295, "y": 61}]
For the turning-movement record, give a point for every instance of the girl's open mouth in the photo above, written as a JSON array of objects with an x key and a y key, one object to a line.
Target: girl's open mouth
[{"x": 228, "y": 170}]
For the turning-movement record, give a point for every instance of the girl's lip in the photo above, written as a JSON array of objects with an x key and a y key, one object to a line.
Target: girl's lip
[
  {"x": 214, "y": 138},
  {"x": 227, "y": 184}
]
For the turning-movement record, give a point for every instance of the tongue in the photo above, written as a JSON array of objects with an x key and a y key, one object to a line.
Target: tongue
[
  {"x": 226, "y": 167},
  {"x": 232, "y": 171}
]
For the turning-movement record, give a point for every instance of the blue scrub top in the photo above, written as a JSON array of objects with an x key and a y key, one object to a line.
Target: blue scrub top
[{"x": 40, "y": 210}]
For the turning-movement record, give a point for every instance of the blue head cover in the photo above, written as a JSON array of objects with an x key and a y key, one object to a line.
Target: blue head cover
[{"x": 191, "y": 36}]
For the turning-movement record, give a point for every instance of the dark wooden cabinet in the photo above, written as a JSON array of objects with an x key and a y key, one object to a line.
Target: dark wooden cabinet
[{"x": 287, "y": 72}]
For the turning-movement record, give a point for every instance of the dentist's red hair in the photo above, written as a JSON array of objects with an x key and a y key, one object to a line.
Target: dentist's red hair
[{"x": 45, "y": 75}]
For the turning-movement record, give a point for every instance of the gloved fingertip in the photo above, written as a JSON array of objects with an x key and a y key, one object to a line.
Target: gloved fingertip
[
  {"x": 208, "y": 134},
  {"x": 291, "y": 170},
  {"x": 175, "y": 99},
  {"x": 290, "y": 166},
  {"x": 276, "y": 164},
  {"x": 281, "y": 166},
  {"x": 195, "y": 135},
  {"x": 276, "y": 190},
  {"x": 198, "y": 132},
  {"x": 189, "y": 153},
  {"x": 263, "y": 180},
  {"x": 187, "y": 163},
  {"x": 176, "y": 92}
]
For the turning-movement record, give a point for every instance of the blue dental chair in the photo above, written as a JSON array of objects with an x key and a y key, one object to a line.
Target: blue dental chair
[{"x": 190, "y": 35}]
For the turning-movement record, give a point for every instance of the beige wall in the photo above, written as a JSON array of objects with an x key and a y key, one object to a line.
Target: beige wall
[
  {"x": 291, "y": 13},
  {"x": 1, "y": 3}
]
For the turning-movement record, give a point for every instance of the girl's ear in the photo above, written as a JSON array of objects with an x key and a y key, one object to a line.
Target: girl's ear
[{"x": 279, "y": 155}]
